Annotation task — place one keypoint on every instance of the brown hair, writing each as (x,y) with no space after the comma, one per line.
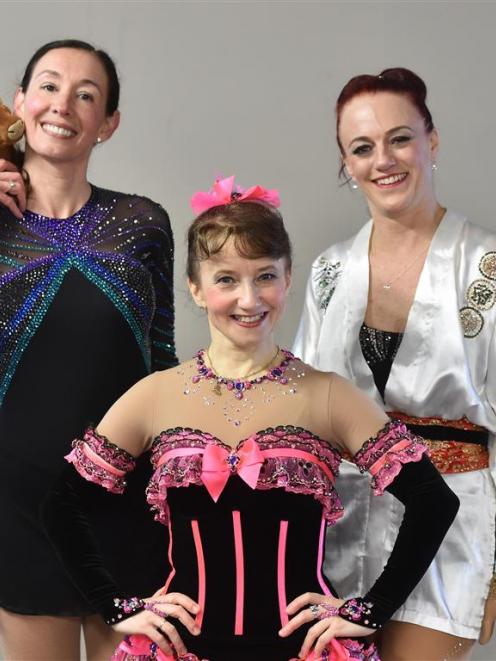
(103,57)
(105,60)
(398,81)
(257,230)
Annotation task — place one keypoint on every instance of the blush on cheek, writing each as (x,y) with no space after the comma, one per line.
(33,109)
(215,299)
(33,105)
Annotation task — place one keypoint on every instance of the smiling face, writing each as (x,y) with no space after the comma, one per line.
(244,298)
(388,152)
(64,104)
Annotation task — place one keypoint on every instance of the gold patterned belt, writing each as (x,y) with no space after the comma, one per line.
(455,446)
(456,456)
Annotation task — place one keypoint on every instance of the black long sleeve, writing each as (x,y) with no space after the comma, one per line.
(65,520)
(430,508)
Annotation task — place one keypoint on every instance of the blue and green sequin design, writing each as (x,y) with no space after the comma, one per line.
(121,243)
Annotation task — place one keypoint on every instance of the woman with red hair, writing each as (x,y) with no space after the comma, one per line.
(406,309)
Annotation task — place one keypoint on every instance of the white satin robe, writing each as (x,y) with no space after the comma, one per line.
(438,371)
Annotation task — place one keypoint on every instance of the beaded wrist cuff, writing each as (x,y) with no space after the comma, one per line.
(359,611)
(121,609)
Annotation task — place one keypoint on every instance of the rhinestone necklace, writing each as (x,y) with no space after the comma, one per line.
(238,386)
(246,377)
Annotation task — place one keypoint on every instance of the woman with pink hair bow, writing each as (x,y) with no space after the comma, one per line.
(246,443)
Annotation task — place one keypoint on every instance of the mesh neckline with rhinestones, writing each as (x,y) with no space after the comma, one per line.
(32,216)
(236,410)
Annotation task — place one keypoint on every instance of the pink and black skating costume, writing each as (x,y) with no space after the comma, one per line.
(247,504)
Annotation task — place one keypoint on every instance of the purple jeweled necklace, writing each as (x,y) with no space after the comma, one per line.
(238,386)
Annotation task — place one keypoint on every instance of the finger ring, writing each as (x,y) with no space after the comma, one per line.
(11,185)
(315,610)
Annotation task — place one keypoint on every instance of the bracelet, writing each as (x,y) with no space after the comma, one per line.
(151,606)
(323,610)
(123,608)
(359,611)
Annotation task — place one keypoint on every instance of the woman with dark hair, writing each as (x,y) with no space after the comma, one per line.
(86,310)
(406,310)
(246,443)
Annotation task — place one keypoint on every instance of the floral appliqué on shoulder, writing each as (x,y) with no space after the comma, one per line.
(326,277)
(480,296)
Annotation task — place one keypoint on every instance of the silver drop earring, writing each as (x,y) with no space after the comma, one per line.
(434,167)
(354,184)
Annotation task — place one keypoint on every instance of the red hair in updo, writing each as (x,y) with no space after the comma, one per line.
(398,81)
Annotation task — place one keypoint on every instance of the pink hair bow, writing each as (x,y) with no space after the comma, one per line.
(224,191)
(218,465)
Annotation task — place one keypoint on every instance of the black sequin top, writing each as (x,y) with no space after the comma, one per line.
(379,349)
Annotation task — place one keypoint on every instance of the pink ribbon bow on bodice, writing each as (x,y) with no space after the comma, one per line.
(219,464)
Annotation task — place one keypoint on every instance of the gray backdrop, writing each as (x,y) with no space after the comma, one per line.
(248,88)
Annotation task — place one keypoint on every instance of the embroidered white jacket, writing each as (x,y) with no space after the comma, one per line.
(446,363)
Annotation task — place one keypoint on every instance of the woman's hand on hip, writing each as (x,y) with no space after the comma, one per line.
(155,621)
(313,606)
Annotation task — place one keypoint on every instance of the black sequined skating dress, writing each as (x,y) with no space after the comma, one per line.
(86,309)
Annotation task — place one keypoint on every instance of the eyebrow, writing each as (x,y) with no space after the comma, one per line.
(222,270)
(393,130)
(56,74)
(228,271)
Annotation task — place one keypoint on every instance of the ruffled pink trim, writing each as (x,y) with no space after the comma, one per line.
(383,455)
(290,473)
(281,473)
(141,648)
(343,649)
(395,460)
(98,460)
(178,472)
